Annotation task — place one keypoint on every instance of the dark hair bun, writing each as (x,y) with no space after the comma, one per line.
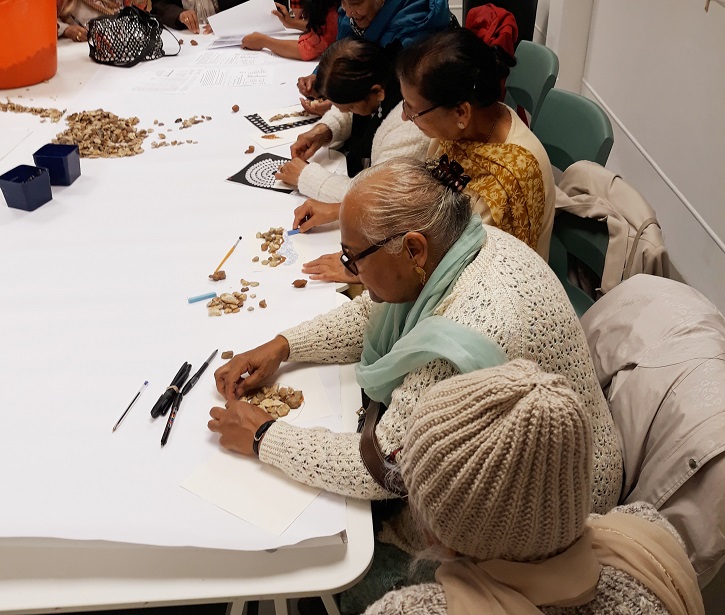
(448,172)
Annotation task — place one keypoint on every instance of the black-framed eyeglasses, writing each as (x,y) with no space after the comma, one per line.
(350,260)
(415,116)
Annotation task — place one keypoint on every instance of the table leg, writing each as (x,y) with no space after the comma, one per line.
(236,607)
(329,601)
(280,606)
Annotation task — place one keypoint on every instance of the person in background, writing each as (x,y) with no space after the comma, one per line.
(74,15)
(318,22)
(358,77)
(386,22)
(451,85)
(498,467)
(182,14)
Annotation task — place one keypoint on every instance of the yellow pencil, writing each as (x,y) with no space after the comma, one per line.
(224,260)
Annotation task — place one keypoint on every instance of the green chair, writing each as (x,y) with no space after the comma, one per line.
(573,128)
(558,261)
(531,79)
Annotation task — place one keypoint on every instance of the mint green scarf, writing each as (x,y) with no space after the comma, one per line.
(401,337)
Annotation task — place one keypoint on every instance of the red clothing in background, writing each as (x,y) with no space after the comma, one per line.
(311,46)
(494,25)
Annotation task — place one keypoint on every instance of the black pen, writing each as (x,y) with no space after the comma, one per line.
(172,415)
(167,397)
(177,400)
(195,378)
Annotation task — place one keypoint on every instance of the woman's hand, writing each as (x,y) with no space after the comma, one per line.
(314,213)
(236,425)
(254,41)
(290,171)
(190,20)
(306,86)
(328,268)
(260,363)
(287,20)
(76,33)
(309,142)
(316,107)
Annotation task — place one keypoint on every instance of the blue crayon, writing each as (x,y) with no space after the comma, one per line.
(201,297)
(294,231)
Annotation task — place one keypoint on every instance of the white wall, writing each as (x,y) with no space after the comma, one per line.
(542,18)
(658,68)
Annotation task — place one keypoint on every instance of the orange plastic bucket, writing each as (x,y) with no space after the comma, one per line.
(28,39)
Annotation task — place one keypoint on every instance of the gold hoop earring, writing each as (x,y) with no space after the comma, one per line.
(421,272)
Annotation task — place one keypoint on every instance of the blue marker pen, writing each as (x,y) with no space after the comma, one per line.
(201,297)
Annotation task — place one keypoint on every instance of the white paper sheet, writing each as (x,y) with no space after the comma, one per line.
(252,16)
(12,137)
(284,137)
(227,41)
(250,490)
(236,77)
(180,80)
(120,316)
(231,57)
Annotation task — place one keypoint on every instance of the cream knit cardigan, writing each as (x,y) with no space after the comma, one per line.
(508,293)
(394,137)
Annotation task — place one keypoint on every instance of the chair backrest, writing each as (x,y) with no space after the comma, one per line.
(559,263)
(523,10)
(572,128)
(533,76)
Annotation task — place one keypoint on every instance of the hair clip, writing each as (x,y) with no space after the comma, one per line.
(448,172)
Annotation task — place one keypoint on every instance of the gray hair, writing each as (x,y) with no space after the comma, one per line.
(402,196)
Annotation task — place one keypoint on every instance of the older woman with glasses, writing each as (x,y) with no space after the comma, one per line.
(444,293)
(451,85)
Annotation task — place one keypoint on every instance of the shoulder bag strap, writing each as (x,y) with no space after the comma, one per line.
(383,471)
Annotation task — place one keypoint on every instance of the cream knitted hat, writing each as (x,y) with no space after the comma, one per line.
(498,463)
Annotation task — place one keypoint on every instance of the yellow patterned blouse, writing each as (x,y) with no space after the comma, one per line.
(508,179)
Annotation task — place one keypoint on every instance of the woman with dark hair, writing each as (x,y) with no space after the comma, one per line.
(358,77)
(451,85)
(318,23)
(386,22)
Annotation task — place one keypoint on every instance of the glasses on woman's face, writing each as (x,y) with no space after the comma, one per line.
(350,260)
(415,116)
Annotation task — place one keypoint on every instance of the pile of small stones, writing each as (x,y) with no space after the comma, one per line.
(102,134)
(273,240)
(276,400)
(232,303)
(53,115)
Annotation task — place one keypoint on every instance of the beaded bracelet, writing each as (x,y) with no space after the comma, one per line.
(260,434)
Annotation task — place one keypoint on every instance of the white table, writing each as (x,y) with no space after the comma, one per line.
(93,289)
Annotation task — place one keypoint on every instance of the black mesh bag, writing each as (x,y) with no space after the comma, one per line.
(125,39)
